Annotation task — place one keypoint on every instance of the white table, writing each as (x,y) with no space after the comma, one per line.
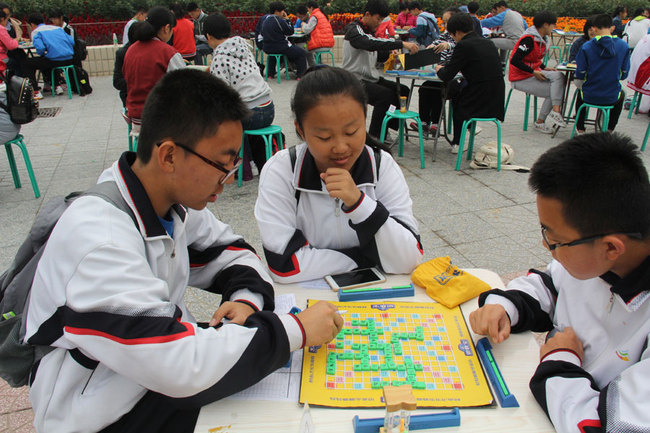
(517,358)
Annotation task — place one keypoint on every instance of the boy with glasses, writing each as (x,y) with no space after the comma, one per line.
(108,292)
(593,201)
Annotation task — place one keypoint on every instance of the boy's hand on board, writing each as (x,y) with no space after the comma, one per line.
(321,323)
(491,320)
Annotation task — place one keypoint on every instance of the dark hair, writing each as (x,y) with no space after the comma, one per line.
(473,7)
(415,5)
(374,7)
(3,15)
(619,9)
(178,10)
(200,101)
(4,6)
(500,4)
(544,17)
(637,12)
(133,29)
(602,21)
(302,10)
(217,26)
(312,4)
(452,10)
(55,13)
(35,18)
(192,6)
(403,6)
(276,7)
(601,182)
(460,22)
(157,18)
(139,8)
(321,81)
(585,30)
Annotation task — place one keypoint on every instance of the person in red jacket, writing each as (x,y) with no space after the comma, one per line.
(183,33)
(529,74)
(319,29)
(148,59)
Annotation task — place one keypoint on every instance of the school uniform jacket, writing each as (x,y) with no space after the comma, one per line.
(312,236)
(109,296)
(609,390)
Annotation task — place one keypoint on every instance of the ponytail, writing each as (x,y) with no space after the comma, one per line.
(157,18)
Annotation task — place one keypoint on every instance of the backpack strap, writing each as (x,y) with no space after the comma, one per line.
(293,157)
(110,193)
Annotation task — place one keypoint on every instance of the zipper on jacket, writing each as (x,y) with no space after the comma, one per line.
(337,207)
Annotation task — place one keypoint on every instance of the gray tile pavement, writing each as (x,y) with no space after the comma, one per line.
(479,218)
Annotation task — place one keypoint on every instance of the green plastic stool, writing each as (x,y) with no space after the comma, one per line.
(66,74)
(553,48)
(573,102)
(18,141)
(402,117)
(634,106)
(604,108)
(470,147)
(318,54)
(260,52)
(267,134)
(566,51)
(278,67)
(645,139)
(526,111)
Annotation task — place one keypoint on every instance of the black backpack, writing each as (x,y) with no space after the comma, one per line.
(21,105)
(82,87)
(80,51)
(16,357)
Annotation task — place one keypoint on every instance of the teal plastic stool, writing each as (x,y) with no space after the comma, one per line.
(526,111)
(566,51)
(278,67)
(573,102)
(551,49)
(403,117)
(260,52)
(605,110)
(66,74)
(18,141)
(267,134)
(645,139)
(318,54)
(470,147)
(634,106)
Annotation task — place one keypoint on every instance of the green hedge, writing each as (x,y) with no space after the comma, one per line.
(123,9)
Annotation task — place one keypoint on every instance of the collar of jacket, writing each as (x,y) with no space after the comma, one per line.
(150,224)
(363,171)
(363,26)
(636,282)
(532,30)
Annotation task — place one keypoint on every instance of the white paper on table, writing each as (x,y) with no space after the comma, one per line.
(318,283)
(284,383)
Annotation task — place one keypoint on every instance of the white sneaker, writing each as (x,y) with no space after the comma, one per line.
(557,119)
(58,90)
(454,149)
(543,128)
(38,95)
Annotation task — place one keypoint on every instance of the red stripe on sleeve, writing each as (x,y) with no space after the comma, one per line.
(189,331)
(589,423)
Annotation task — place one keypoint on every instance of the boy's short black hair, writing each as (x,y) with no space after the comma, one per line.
(217,26)
(601,182)
(544,17)
(415,5)
(602,21)
(187,105)
(312,4)
(619,9)
(56,13)
(473,7)
(5,6)
(374,7)
(638,12)
(302,10)
(35,18)
(500,4)
(276,7)
(192,6)
(462,22)
(178,10)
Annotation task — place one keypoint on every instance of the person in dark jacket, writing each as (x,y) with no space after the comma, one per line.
(483,94)
(275,29)
(578,43)
(119,82)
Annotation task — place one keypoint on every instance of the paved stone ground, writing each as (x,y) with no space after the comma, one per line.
(479,218)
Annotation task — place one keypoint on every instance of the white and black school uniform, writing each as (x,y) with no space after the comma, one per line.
(610,389)
(307,234)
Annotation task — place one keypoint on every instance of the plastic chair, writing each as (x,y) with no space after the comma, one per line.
(526,111)
(278,67)
(645,139)
(470,146)
(636,99)
(402,117)
(66,74)
(260,52)
(318,54)
(566,51)
(18,141)
(267,134)
(551,49)
(604,108)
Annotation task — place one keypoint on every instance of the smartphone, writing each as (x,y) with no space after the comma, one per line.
(356,278)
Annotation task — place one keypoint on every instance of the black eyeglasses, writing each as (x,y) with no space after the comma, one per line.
(228,173)
(588,239)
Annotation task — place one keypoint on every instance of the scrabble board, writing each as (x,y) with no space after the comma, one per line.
(392,343)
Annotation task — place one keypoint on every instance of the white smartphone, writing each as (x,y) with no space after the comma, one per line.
(356,278)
